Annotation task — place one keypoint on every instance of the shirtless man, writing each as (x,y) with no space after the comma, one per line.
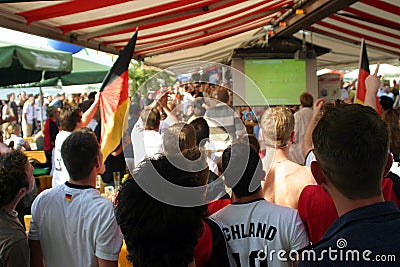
(286,179)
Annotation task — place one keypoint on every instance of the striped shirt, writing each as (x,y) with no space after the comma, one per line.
(225,126)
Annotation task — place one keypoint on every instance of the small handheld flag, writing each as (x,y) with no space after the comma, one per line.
(363,73)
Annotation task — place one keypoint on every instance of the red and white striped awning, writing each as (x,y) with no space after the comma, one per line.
(377,21)
(165,26)
(172,32)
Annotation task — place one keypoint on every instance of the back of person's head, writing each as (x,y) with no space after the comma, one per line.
(386,102)
(392,118)
(151,118)
(252,140)
(178,137)
(61,95)
(198,110)
(158,234)
(50,110)
(202,129)
(79,153)
(85,105)
(92,95)
(70,117)
(351,146)
(277,124)
(13,175)
(242,169)
(306,99)
(223,95)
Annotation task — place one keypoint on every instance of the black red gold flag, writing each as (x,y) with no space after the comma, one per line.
(114,100)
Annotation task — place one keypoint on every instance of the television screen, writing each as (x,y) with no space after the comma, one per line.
(281,81)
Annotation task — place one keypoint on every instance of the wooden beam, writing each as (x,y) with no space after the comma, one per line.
(315,11)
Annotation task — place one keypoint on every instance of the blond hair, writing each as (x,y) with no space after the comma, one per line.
(277,124)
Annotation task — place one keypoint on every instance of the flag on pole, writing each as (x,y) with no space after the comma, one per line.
(363,73)
(114,100)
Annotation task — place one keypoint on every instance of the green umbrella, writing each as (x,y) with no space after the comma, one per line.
(24,64)
(83,72)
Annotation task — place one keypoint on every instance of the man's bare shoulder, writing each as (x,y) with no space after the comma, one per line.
(296,173)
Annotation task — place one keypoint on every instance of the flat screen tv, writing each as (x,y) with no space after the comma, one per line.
(281,81)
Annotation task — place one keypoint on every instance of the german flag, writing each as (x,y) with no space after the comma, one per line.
(114,100)
(68,197)
(363,73)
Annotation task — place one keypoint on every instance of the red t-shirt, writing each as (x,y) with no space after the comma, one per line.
(50,133)
(318,211)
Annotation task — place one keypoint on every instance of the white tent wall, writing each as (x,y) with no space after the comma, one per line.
(388,72)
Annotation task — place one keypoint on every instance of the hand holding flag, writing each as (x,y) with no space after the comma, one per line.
(363,73)
(372,84)
(368,85)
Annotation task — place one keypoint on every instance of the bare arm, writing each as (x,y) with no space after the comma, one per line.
(27,146)
(170,115)
(307,139)
(106,263)
(372,83)
(36,253)
(89,114)
(163,104)
(396,102)
(117,151)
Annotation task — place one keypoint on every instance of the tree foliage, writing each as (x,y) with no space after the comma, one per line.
(148,80)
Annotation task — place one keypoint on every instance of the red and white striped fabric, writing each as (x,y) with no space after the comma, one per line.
(172,31)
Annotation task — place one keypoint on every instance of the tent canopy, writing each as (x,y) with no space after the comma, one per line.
(23,64)
(83,72)
(172,31)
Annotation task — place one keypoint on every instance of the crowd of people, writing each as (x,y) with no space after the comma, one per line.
(209,184)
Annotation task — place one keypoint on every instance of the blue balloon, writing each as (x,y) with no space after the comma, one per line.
(66,47)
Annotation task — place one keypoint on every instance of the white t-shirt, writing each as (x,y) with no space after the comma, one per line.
(75,226)
(310,157)
(187,100)
(5,112)
(344,94)
(18,141)
(395,168)
(259,226)
(30,113)
(145,143)
(39,114)
(301,120)
(92,124)
(212,166)
(59,171)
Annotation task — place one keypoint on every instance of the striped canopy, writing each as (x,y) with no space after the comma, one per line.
(172,32)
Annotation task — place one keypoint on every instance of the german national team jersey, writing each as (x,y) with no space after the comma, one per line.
(259,233)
